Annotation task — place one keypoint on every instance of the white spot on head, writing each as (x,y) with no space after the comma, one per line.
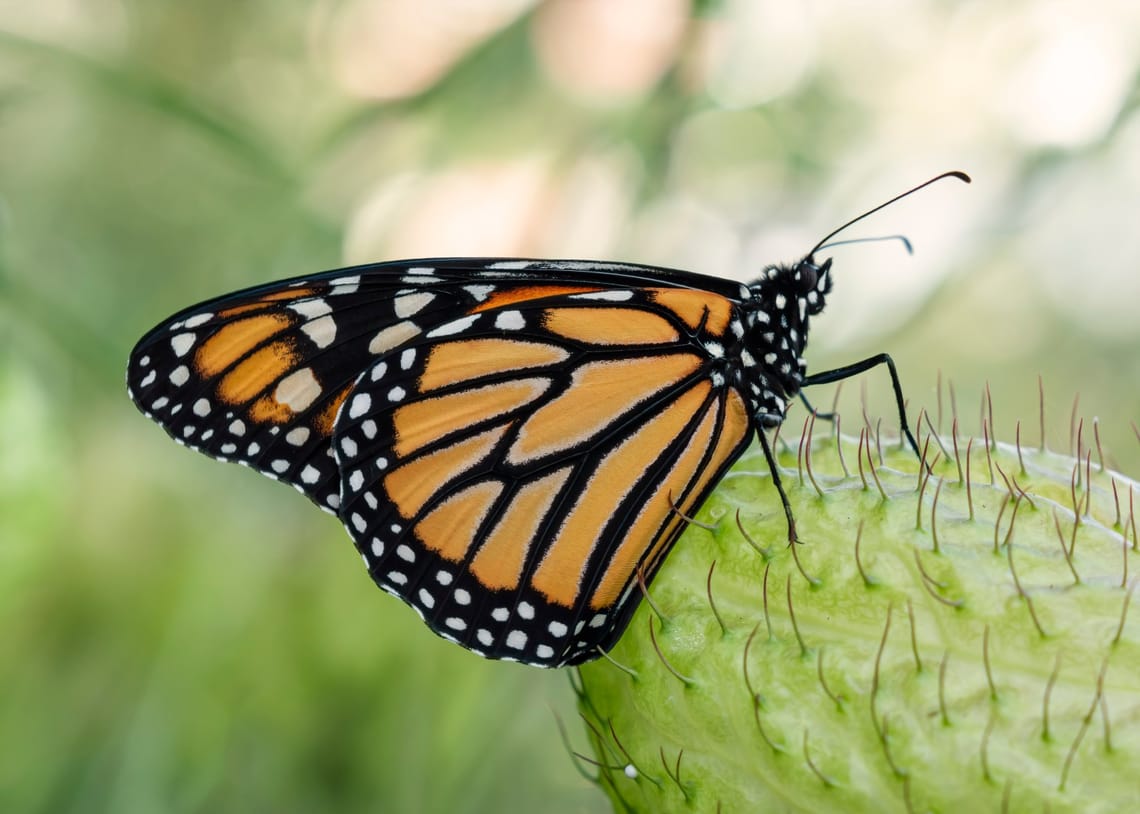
(180,375)
(516,640)
(453,327)
(393,336)
(182,343)
(322,331)
(510,321)
(297,436)
(812,297)
(298,390)
(310,474)
(781,302)
(361,403)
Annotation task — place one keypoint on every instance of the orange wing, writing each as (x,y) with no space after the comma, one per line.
(509,473)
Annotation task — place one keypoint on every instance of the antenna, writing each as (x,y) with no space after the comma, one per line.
(961,176)
(881,239)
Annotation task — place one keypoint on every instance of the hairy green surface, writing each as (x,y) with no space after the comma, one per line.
(936,646)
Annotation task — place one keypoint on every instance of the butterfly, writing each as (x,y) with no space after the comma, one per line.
(513,445)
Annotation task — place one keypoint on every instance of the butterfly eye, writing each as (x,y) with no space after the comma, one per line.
(807,275)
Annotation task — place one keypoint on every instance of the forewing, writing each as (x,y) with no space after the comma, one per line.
(510,473)
(257,377)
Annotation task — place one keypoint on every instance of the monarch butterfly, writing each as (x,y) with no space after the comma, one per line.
(511,444)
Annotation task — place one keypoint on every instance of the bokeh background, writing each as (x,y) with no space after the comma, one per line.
(177,635)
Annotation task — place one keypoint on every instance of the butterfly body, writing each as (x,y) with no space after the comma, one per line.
(511,444)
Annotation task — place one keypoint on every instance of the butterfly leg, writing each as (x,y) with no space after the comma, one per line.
(792,538)
(811,409)
(847,371)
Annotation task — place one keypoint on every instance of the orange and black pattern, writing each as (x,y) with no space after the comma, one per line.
(511,444)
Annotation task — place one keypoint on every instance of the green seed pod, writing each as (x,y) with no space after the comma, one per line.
(935,642)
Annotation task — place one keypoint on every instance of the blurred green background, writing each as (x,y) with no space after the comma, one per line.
(177,635)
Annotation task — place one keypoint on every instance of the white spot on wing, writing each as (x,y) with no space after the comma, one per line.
(361,403)
(321,330)
(180,375)
(453,327)
(298,390)
(181,343)
(345,285)
(411,304)
(605,296)
(311,309)
(297,436)
(198,319)
(510,321)
(393,336)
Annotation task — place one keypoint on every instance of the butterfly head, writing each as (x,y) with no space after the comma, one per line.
(784,298)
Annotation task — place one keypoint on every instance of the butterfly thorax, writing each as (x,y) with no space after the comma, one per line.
(783,299)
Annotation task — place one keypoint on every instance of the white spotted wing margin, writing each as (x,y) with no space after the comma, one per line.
(509,474)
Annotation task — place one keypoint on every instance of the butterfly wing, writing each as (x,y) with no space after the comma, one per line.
(257,377)
(511,472)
